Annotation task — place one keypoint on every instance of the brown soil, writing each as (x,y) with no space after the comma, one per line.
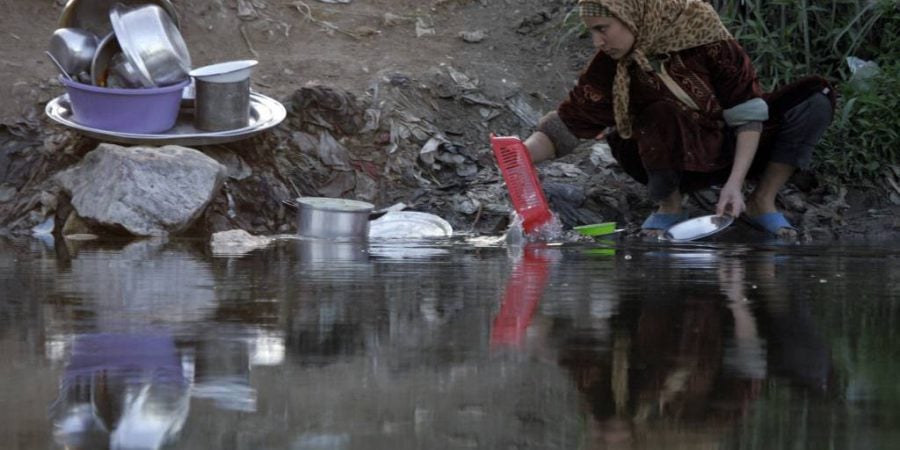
(343,45)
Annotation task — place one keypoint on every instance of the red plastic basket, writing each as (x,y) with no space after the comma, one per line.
(521,181)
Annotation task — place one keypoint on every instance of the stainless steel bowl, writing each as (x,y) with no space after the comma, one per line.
(152,43)
(333,218)
(93,15)
(73,48)
(111,68)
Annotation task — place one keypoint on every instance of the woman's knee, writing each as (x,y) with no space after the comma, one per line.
(814,112)
(820,109)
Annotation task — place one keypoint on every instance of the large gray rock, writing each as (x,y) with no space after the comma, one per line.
(145,190)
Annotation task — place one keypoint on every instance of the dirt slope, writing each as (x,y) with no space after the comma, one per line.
(344,45)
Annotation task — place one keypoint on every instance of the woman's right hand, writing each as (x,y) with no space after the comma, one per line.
(731,201)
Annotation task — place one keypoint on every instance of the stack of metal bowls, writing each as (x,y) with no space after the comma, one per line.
(126,63)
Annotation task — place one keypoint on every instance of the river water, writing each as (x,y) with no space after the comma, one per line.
(450,344)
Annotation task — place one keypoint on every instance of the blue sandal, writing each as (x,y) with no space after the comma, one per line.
(771,222)
(662,221)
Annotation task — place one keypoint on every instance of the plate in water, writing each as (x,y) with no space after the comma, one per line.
(409,225)
(697,228)
(265,113)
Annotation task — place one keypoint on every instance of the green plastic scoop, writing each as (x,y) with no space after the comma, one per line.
(597,229)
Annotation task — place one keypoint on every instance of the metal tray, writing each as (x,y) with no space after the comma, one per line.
(697,228)
(265,113)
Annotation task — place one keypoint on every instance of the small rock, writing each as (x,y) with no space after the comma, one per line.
(237,241)
(472,37)
(391,19)
(7,193)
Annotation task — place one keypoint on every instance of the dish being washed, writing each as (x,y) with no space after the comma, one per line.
(697,228)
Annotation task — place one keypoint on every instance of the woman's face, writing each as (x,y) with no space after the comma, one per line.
(610,36)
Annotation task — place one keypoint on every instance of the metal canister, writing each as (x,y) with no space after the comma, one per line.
(222,95)
(221,106)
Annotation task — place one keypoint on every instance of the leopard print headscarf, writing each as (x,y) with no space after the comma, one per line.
(659,27)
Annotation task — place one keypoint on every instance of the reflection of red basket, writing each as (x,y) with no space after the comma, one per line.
(521,181)
(520,299)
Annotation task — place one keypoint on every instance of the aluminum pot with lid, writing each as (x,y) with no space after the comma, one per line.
(333,218)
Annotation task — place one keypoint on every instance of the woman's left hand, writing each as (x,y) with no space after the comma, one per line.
(731,201)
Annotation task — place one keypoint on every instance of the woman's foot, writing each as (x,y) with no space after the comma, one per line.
(766,216)
(657,223)
(669,213)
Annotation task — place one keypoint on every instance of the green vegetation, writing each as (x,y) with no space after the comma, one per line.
(792,38)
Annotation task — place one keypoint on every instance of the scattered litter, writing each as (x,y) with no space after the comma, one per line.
(44,228)
(519,105)
(391,19)
(862,72)
(306,11)
(601,155)
(462,80)
(424,29)
(428,153)
(246,10)
(331,152)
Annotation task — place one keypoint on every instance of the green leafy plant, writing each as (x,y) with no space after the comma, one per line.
(864,137)
(791,38)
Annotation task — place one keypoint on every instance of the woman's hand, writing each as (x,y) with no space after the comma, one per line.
(731,200)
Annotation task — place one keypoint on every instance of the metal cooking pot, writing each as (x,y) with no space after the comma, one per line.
(333,218)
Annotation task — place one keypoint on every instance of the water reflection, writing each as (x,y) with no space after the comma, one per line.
(523,292)
(686,359)
(316,345)
(121,391)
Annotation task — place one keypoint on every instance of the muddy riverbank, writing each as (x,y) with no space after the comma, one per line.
(374,120)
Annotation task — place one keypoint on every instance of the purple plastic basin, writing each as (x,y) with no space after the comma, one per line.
(140,111)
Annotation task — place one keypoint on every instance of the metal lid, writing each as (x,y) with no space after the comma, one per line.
(335,204)
(225,72)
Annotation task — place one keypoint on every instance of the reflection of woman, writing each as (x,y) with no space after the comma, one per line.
(686,361)
(686,110)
